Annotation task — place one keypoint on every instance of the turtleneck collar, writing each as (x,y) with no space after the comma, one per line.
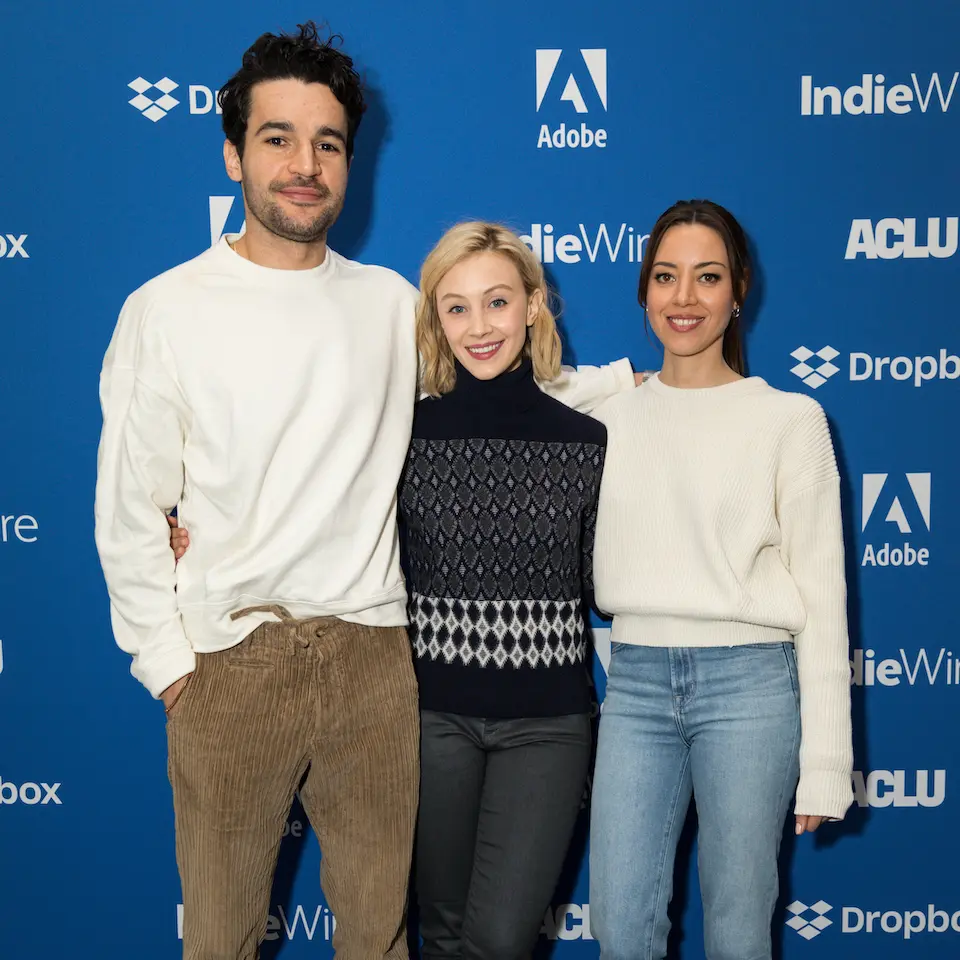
(513,390)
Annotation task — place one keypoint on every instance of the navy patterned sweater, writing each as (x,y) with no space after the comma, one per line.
(498,508)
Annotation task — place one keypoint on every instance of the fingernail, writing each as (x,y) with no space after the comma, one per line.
(798,829)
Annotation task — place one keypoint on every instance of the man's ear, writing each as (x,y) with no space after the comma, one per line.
(231,160)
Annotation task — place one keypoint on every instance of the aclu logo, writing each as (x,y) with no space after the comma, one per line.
(283,923)
(12,246)
(872,96)
(900,788)
(589,244)
(816,367)
(568,921)
(29,793)
(580,80)
(201,99)
(936,667)
(810,922)
(915,493)
(890,239)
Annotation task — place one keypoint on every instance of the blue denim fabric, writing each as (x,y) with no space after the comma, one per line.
(721,724)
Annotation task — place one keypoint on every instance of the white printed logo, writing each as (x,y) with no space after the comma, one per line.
(29,793)
(871,96)
(595,74)
(873,484)
(862,366)
(569,921)
(12,245)
(621,242)
(287,925)
(153,109)
(816,376)
(596,64)
(888,788)
(811,921)
(220,208)
(874,241)
(936,667)
(20,528)
(918,491)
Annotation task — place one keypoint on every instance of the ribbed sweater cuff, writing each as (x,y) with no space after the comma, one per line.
(824,793)
(666,631)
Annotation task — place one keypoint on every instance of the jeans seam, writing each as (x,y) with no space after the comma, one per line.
(663,853)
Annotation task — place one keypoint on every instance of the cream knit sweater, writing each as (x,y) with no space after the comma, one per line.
(719,524)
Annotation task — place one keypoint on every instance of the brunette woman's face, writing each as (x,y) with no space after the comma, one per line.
(485,312)
(690,294)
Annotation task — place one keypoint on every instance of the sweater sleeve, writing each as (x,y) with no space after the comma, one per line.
(812,548)
(585,388)
(139,481)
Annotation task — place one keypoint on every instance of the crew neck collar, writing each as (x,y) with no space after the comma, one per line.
(256,271)
(735,389)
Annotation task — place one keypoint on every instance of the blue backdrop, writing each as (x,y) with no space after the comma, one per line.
(829,128)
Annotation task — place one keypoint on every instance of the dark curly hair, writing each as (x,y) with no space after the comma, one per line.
(724,223)
(301,56)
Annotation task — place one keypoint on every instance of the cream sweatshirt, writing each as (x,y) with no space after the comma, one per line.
(273,408)
(719,524)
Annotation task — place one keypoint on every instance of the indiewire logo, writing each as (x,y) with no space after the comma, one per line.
(591,67)
(29,793)
(816,367)
(810,922)
(289,925)
(19,528)
(201,99)
(888,788)
(890,239)
(12,245)
(607,244)
(872,96)
(916,493)
(940,667)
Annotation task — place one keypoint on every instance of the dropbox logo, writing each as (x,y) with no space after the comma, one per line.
(564,77)
(817,373)
(809,922)
(153,109)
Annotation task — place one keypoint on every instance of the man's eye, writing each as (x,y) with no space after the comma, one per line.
(275,141)
(329,147)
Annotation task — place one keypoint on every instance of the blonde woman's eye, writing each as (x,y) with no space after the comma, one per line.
(456,309)
(498,302)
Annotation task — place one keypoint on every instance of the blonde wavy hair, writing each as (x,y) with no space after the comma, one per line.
(437,372)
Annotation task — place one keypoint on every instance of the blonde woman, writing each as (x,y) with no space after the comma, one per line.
(498,505)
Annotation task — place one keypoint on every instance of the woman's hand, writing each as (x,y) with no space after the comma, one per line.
(805,822)
(179,538)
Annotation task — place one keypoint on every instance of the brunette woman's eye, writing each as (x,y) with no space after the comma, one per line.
(662,277)
(711,277)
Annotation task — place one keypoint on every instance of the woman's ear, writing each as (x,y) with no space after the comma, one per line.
(534,305)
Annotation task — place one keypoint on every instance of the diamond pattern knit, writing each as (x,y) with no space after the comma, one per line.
(498,503)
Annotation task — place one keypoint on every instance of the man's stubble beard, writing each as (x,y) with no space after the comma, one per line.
(268,213)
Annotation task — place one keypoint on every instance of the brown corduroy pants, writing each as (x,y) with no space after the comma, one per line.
(333,699)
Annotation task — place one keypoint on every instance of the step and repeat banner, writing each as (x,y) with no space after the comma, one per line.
(830,129)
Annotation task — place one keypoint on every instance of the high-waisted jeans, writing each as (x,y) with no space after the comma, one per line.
(721,724)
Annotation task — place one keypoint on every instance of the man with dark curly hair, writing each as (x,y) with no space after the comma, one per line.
(266,390)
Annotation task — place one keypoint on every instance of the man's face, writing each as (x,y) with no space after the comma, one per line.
(294,166)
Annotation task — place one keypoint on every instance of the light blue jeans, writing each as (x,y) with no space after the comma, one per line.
(721,724)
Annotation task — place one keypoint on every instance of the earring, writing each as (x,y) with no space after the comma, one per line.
(736,312)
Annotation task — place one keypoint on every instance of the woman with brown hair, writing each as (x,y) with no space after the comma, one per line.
(729,677)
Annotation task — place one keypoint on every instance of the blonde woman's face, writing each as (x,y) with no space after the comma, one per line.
(485,312)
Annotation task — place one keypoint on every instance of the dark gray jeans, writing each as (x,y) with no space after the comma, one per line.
(498,802)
